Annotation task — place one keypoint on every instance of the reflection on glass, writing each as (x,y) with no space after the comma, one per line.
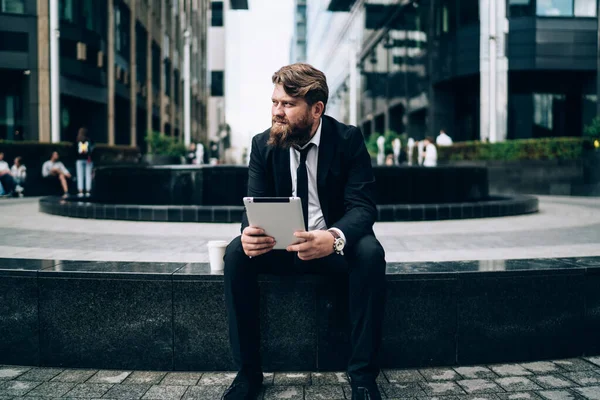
(492,265)
(555,8)
(65,10)
(546,108)
(13,6)
(585,8)
(588,108)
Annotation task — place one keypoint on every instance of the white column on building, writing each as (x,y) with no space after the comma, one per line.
(54,73)
(354,80)
(186,88)
(493,71)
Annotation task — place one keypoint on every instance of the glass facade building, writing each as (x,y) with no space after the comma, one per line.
(121,68)
(421,63)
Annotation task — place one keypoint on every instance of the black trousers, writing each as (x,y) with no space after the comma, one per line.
(365,265)
(8,183)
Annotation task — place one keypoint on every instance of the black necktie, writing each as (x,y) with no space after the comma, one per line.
(302,183)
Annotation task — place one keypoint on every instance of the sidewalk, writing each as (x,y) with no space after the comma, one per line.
(553,380)
(565,227)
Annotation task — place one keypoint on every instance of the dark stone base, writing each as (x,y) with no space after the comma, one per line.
(171,316)
(87,208)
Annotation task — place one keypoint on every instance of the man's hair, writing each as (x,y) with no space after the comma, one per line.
(303,80)
(430,139)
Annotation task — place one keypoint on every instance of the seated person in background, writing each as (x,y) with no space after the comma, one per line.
(389,160)
(6,178)
(430,153)
(19,173)
(443,139)
(54,169)
(190,157)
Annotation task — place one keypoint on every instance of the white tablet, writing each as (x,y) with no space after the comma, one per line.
(279,217)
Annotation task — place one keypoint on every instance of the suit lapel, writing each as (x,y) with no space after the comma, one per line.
(326,153)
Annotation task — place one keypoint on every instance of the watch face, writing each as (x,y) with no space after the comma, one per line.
(339,244)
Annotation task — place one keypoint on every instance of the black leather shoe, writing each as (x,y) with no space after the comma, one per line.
(365,392)
(244,387)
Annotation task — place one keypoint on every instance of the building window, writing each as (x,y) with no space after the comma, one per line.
(217,84)
(88,14)
(445,17)
(549,113)
(468,13)
(217,13)
(555,8)
(14,41)
(122,30)
(12,6)
(566,8)
(65,11)
(520,8)
(585,8)
(588,109)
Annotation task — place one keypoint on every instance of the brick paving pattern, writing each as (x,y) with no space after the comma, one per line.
(577,378)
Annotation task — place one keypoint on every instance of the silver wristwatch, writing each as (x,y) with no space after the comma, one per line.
(338,243)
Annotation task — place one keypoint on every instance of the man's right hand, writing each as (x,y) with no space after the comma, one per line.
(255,242)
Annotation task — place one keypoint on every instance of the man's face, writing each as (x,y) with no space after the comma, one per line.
(54,157)
(292,119)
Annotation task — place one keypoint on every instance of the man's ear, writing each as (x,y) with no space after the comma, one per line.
(318,109)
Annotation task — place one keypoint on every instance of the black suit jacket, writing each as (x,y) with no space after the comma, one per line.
(345,180)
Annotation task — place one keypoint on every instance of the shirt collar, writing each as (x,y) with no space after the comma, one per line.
(316,139)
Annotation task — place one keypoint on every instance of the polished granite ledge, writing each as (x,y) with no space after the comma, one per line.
(201,271)
(171,316)
(80,208)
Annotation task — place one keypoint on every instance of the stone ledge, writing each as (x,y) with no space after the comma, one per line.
(171,316)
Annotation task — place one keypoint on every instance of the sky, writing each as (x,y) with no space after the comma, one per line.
(258,44)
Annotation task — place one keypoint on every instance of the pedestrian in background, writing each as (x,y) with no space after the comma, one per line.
(84,163)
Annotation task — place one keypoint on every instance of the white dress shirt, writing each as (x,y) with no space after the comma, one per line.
(316,221)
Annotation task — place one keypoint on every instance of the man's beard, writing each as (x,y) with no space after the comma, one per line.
(287,135)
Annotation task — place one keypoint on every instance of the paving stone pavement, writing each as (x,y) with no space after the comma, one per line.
(575,379)
(564,227)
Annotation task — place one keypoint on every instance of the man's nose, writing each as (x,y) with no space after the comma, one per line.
(278,110)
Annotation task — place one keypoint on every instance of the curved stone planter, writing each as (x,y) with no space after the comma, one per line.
(79,208)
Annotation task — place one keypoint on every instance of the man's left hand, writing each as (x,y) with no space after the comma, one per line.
(318,244)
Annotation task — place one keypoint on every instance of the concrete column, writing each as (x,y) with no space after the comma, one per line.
(598,61)
(54,73)
(133,73)
(110,52)
(149,91)
(354,83)
(161,95)
(43,71)
(493,71)
(171,72)
(187,127)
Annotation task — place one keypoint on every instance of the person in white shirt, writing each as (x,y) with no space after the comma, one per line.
(19,173)
(430,153)
(6,178)
(443,139)
(54,169)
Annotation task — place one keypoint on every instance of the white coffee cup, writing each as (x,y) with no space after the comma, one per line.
(216,251)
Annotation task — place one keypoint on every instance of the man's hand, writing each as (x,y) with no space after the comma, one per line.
(255,242)
(318,244)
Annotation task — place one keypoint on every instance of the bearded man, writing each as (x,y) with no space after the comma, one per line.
(324,162)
